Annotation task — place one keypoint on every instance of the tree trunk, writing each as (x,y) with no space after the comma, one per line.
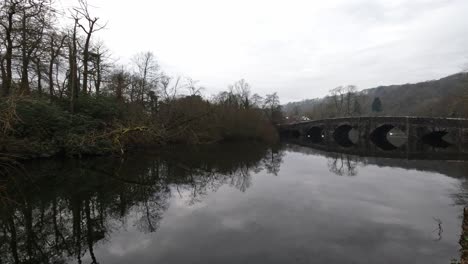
(51,69)
(24,86)
(51,78)
(6,84)
(86,58)
(85,69)
(39,77)
(73,71)
(98,75)
(54,53)
(4,74)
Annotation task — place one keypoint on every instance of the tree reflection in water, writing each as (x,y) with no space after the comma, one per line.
(343,164)
(61,209)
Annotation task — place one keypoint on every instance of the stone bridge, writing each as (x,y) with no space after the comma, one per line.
(413,134)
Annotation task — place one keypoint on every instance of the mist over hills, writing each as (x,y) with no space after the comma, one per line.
(446,97)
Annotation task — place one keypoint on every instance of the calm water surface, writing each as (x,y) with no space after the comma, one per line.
(239,203)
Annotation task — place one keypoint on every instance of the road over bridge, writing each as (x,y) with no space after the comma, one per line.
(416,134)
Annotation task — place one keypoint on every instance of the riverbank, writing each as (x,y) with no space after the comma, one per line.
(34,127)
(464,238)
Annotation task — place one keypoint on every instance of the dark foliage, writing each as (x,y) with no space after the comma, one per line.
(377,105)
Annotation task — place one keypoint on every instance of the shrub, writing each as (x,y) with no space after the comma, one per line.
(105,108)
(39,119)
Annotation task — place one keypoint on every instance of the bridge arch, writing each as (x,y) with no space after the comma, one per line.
(341,135)
(315,134)
(379,137)
(436,139)
(294,133)
(410,134)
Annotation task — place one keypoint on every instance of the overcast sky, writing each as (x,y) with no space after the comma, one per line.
(298,48)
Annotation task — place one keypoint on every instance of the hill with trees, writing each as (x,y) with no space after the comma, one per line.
(446,97)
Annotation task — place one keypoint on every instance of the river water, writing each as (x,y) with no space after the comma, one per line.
(234,203)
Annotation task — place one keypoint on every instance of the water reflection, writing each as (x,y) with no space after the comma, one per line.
(234,203)
(61,209)
(343,164)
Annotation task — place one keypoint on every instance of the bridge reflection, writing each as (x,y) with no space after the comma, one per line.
(372,150)
(346,161)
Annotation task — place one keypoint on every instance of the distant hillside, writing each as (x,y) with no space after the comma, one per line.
(445,97)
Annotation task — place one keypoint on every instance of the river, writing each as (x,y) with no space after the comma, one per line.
(234,203)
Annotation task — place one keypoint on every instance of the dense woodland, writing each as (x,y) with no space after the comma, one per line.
(446,97)
(62,92)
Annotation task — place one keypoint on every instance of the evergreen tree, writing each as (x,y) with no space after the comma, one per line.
(377,105)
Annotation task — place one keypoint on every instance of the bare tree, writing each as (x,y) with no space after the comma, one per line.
(193,88)
(147,71)
(342,97)
(56,43)
(34,18)
(272,106)
(40,68)
(100,61)
(257,100)
(350,97)
(241,90)
(169,87)
(73,71)
(337,94)
(3,73)
(8,11)
(89,29)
